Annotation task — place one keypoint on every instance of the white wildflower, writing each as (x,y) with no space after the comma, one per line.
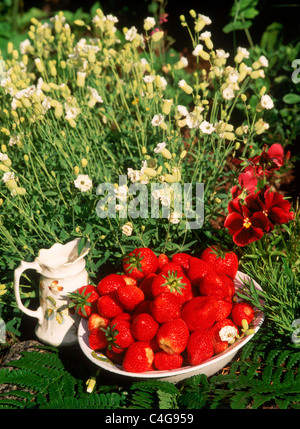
(9,175)
(148,79)
(157,120)
(228,93)
(228,333)
(182,110)
(175,217)
(266,102)
(133,175)
(131,33)
(83,182)
(94,94)
(160,147)
(24,46)
(149,23)
(127,229)
(206,127)
(192,121)
(197,50)
(71,111)
(3,157)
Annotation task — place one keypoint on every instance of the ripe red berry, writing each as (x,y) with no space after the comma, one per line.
(84,300)
(240,311)
(200,312)
(200,347)
(223,261)
(144,327)
(96,321)
(166,362)
(109,306)
(130,296)
(165,307)
(197,270)
(140,262)
(172,336)
(110,283)
(97,339)
(182,259)
(214,284)
(119,336)
(138,357)
(174,282)
(162,260)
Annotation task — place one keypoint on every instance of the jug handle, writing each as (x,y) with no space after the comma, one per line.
(17,275)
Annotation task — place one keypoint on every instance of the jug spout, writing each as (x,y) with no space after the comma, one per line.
(63,260)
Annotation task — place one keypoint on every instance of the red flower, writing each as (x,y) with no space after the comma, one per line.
(247,181)
(273,205)
(266,162)
(245,226)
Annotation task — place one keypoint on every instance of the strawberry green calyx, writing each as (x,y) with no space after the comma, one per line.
(173,282)
(111,334)
(134,262)
(79,301)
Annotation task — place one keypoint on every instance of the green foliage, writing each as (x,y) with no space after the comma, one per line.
(264,374)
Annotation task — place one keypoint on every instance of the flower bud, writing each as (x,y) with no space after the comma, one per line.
(76,170)
(157,36)
(166,108)
(185,87)
(80,79)
(84,162)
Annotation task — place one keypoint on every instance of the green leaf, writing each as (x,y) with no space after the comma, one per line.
(291,98)
(250,13)
(237,25)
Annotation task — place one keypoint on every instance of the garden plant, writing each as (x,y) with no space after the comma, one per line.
(93,116)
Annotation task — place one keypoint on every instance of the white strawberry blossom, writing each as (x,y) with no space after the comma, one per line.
(228,333)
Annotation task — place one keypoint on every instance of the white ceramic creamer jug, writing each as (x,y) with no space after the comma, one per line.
(61,271)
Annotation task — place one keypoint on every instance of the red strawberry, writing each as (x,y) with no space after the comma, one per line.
(142,307)
(138,357)
(144,327)
(200,347)
(223,262)
(119,336)
(146,284)
(224,309)
(162,260)
(172,267)
(130,296)
(115,357)
(96,321)
(84,300)
(140,262)
(165,362)
(122,316)
(241,311)
(110,283)
(97,339)
(129,280)
(214,284)
(109,306)
(200,312)
(182,259)
(197,270)
(165,307)
(176,283)
(172,336)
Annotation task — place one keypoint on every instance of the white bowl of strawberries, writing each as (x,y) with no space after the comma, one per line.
(167,319)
